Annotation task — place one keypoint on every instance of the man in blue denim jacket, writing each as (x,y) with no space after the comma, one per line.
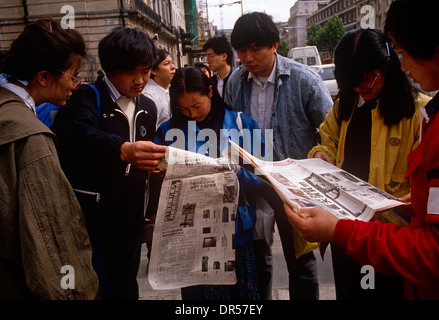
(292,100)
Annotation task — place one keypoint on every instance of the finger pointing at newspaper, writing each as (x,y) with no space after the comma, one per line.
(313,224)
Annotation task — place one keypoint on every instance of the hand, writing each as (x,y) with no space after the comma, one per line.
(145,155)
(324,156)
(313,224)
(407,198)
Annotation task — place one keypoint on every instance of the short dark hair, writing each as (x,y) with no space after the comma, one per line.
(43,45)
(255,27)
(413,25)
(220,45)
(202,65)
(126,48)
(161,55)
(365,50)
(3,55)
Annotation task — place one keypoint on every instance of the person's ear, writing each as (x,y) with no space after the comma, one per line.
(210,91)
(275,46)
(44,77)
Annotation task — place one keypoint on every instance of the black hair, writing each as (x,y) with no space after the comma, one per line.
(413,25)
(363,51)
(255,27)
(202,65)
(3,55)
(161,55)
(193,79)
(220,45)
(43,45)
(125,49)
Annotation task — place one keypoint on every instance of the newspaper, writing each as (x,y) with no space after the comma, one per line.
(317,183)
(193,240)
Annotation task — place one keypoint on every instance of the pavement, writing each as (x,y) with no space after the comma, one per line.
(280,277)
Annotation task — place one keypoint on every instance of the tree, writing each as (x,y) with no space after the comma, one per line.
(334,30)
(312,35)
(283,48)
(326,38)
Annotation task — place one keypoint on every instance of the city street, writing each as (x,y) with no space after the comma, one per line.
(280,281)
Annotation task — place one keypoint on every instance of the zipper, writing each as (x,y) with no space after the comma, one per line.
(90,193)
(132,132)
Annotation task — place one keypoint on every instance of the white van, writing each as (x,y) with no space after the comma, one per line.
(305,55)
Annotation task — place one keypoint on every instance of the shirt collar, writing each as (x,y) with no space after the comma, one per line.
(151,82)
(271,78)
(114,93)
(22,93)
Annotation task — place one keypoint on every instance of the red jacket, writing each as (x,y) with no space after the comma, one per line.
(411,252)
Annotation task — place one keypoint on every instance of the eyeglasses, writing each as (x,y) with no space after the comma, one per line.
(374,80)
(371,86)
(210,56)
(76,80)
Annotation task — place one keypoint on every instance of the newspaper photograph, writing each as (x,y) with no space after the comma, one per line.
(317,183)
(193,240)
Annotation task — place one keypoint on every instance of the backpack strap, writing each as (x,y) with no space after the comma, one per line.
(98,96)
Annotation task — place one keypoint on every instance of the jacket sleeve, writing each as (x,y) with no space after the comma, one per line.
(54,239)
(77,126)
(318,100)
(412,253)
(329,132)
(160,134)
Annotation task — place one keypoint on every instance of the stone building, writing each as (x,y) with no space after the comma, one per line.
(162,20)
(297,23)
(354,13)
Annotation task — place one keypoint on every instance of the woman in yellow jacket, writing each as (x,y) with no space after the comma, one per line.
(369,132)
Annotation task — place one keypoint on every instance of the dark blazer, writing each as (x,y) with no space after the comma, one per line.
(111,192)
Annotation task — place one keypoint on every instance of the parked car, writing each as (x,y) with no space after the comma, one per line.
(305,55)
(326,71)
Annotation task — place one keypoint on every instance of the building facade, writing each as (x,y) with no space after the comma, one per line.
(162,20)
(354,13)
(297,23)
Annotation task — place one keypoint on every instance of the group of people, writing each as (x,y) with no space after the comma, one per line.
(76,194)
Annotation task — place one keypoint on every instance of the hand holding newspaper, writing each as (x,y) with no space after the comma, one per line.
(193,240)
(317,183)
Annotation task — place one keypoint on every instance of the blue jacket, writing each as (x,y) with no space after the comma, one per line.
(301,102)
(249,184)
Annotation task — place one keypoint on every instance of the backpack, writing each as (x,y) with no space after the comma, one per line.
(46,112)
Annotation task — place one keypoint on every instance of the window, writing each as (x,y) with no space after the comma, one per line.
(311,61)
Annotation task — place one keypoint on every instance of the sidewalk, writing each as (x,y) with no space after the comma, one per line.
(280,277)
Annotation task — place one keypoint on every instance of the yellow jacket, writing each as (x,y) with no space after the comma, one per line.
(390,146)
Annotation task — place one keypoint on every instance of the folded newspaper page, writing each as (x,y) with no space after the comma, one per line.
(317,183)
(193,240)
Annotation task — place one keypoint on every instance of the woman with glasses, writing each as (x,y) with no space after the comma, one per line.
(43,234)
(46,111)
(369,132)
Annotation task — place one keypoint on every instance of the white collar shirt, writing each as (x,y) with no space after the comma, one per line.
(161,98)
(22,93)
(220,84)
(262,98)
(127,105)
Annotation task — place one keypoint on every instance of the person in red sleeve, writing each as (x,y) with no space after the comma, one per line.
(411,251)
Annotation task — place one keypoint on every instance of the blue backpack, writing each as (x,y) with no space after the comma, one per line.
(46,112)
